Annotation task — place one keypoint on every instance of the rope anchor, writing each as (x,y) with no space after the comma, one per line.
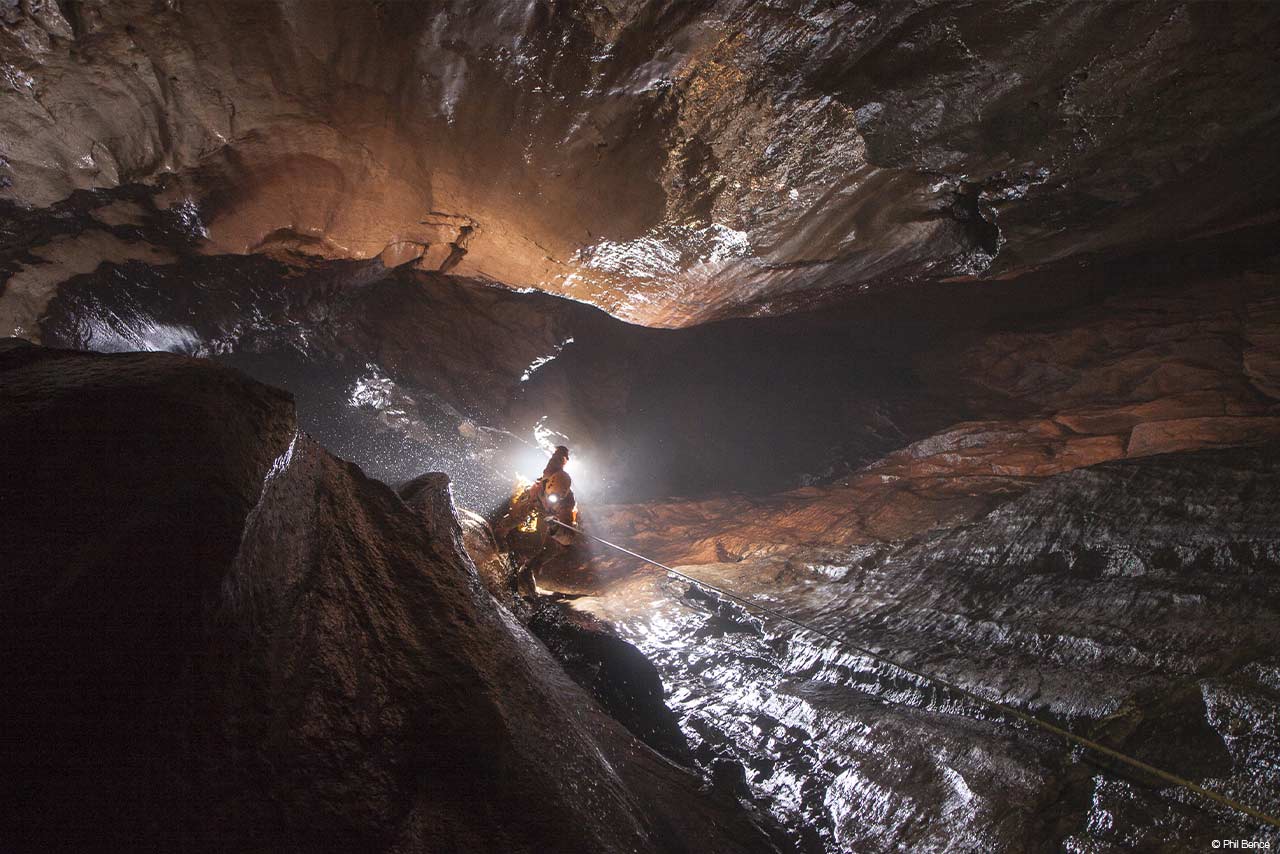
(1024,717)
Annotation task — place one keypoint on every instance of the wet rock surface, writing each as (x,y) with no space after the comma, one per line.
(403,371)
(1140,373)
(218,636)
(1134,602)
(920,425)
(41,249)
(406,371)
(978,366)
(616,673)
(668,163)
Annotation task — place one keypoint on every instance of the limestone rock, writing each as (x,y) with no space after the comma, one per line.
(669,164)
(218,636)
(1134,602)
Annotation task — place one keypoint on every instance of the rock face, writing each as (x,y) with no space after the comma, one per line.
(979,416)
(666,162)
(1025,472)
(404,371)
(1135,602)
(615,673)
(220,637)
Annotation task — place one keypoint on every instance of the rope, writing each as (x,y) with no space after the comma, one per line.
(1032,720)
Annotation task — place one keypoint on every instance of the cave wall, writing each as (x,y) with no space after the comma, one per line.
(1133,602)
(329,195)
(220,637)
(670,163)
(405,370)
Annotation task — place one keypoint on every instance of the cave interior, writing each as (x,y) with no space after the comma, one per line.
(944,330)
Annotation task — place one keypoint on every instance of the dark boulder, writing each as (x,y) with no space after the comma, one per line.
(219,637)
(617,674)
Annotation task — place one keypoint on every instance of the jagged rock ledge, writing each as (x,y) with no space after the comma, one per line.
(220,637)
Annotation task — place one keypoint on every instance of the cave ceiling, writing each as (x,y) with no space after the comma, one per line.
(671,163)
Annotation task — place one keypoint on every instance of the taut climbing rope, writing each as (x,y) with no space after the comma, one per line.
(1068,735)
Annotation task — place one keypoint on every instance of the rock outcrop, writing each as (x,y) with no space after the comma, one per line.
(1135,602)
(982,415)
(219,637)
(613,671)
(618,675)
(669,163)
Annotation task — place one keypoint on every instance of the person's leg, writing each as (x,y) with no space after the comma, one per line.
(540,552)
(525,585)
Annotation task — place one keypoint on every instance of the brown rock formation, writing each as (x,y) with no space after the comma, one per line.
(1132,601)
(1139,374)
(219,637)
(668,163)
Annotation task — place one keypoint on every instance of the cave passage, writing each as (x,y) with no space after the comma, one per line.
(837,466)
(919,363)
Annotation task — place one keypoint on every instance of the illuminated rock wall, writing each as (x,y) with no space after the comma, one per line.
(670,164)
